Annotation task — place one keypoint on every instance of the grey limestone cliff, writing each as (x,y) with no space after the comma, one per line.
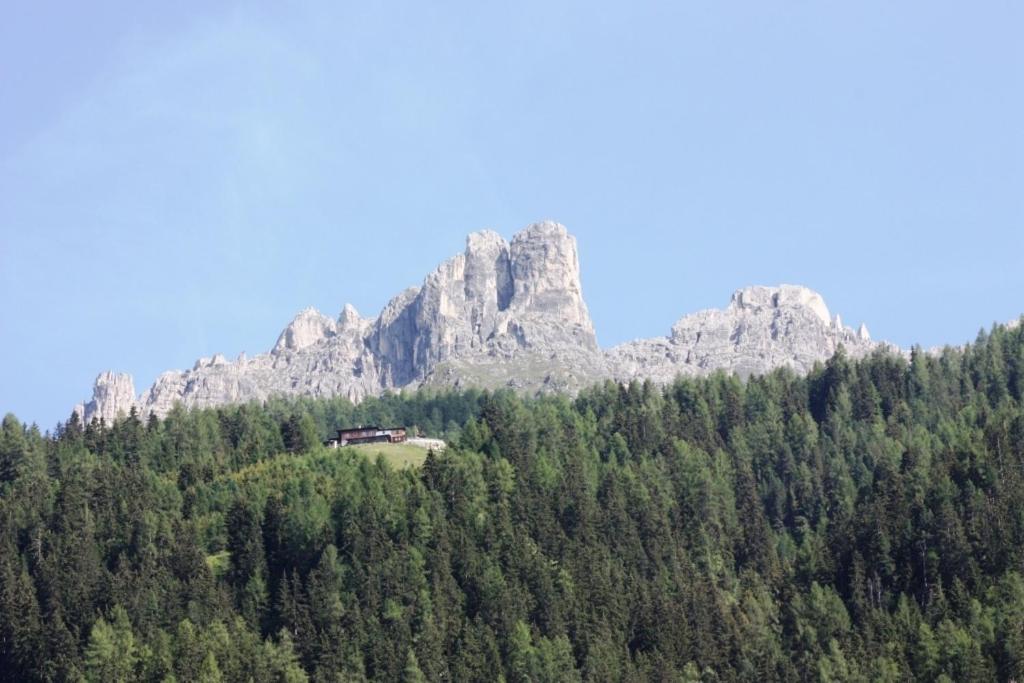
(113,394)
(762,328)
(500,314)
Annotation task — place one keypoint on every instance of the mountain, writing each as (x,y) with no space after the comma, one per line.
(762,328)
(501,314)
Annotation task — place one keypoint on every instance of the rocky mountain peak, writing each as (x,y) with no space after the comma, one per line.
(496,299)
(485,241)
(546,281)
(309,327)
(782,296)
(543,230)
(762,328)
(113,395)
(486,276)
(349,320)
(499,314)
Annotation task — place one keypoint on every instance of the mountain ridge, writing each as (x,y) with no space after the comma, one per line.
(499,314)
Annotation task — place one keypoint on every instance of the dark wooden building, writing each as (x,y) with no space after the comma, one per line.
(354,435)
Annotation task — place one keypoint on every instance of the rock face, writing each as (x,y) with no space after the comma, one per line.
(308,328)
(761,329)
(501,314)
(496,302)
(113,394)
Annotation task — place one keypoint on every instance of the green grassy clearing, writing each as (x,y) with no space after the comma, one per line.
(218,562)
(398,455)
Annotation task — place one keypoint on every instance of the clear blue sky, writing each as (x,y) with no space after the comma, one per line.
(177,181)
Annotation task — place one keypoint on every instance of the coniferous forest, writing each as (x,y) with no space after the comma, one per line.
(863,523)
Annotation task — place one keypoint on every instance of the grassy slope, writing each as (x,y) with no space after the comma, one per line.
(398,455)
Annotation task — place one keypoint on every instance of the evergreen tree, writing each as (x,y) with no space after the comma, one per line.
(110,654)
(248,563)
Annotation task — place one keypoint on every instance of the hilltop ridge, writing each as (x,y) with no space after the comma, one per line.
(500,314)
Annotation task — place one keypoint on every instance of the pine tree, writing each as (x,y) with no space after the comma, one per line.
(247,573)
(13,447)
(21,632)
(110,654)
(412,672)
(210,672)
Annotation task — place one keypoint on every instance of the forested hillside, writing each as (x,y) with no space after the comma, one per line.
(863,523)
